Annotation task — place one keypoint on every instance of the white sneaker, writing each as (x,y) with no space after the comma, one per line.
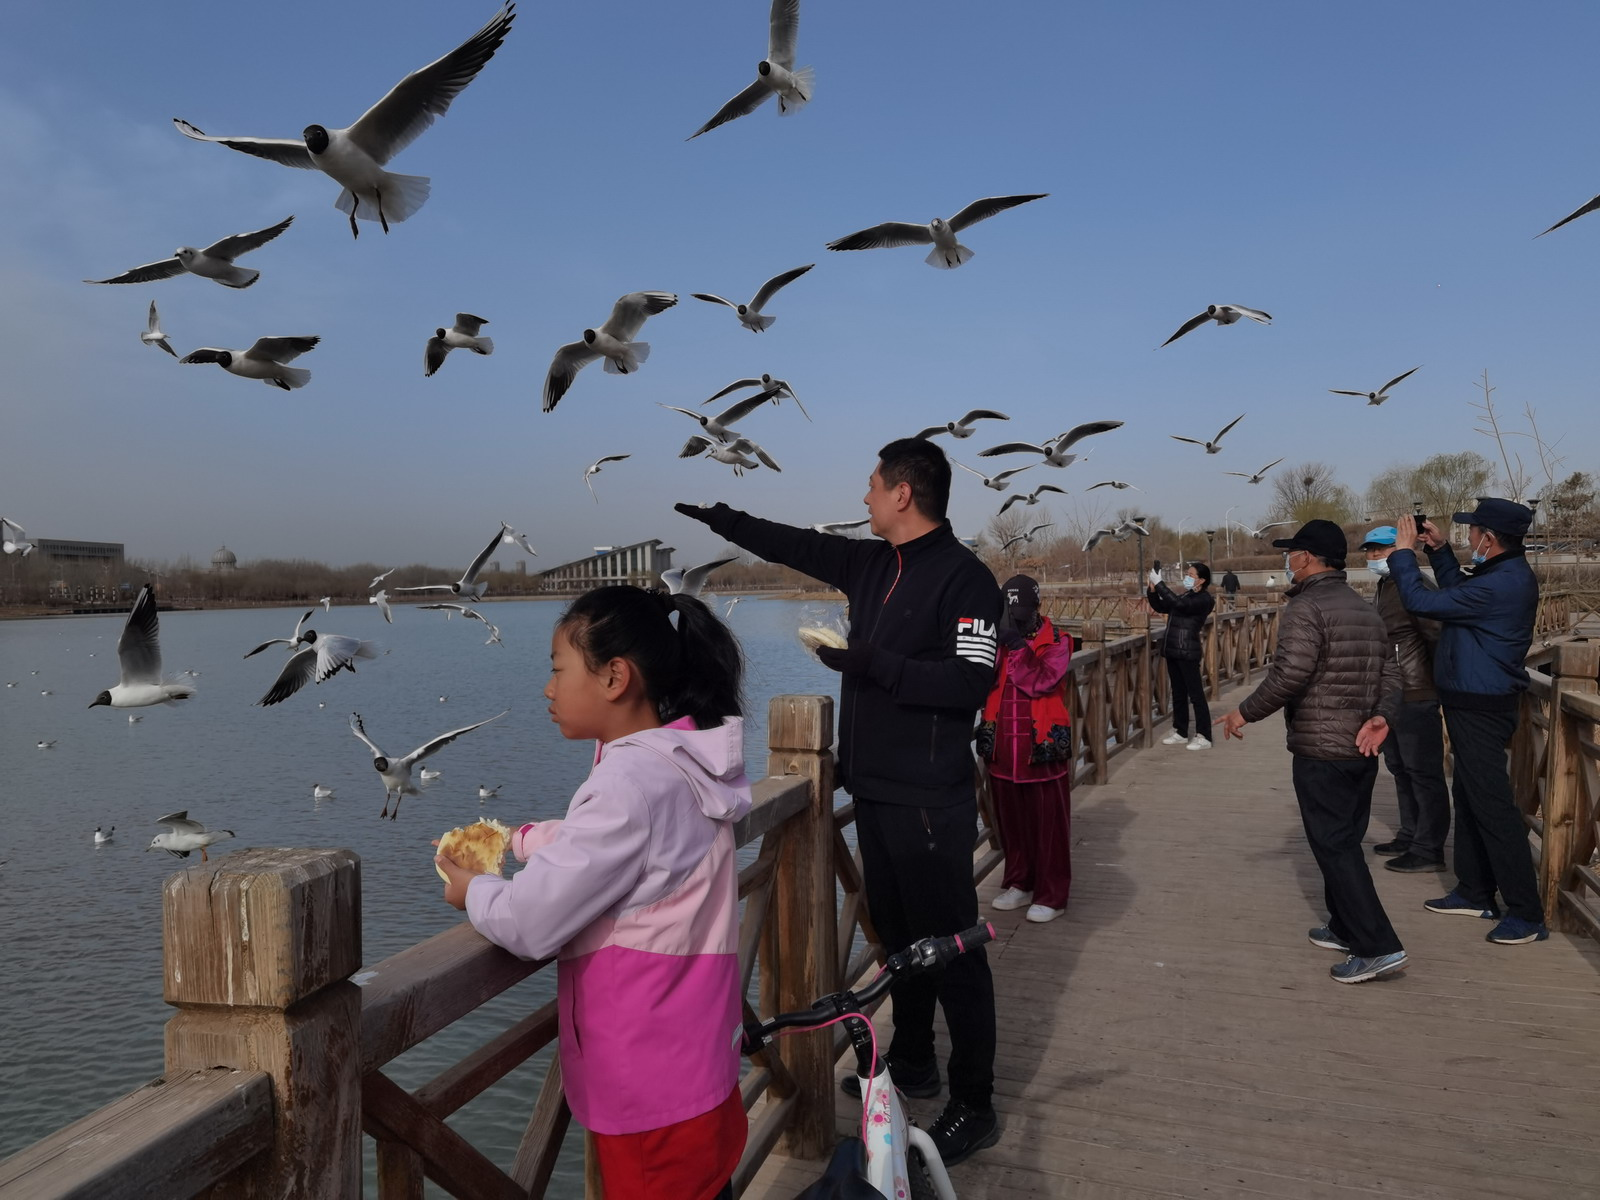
(1040,913)
(1175,739)
(1011,898)
(1199,743)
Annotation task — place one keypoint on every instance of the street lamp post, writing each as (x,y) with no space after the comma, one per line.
(1211,545)
(1181,524)
(1227,529)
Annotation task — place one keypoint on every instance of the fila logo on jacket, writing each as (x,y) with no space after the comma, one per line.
(976,640)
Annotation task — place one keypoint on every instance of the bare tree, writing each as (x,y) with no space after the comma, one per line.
(1309,491)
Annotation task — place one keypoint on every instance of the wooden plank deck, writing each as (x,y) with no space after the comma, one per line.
(1176,1035)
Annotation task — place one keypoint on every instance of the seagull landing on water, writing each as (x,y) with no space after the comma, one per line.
(215,262)
(1055,450)
(775,74)
(1032,498)
(839,527)
(750,315)
(1222,314)
(355,156)
(468,585)
(741,454)
(471,614)
(964,427)
(139,649)
(594,469)
(463,335)
(152,335)
(999,481)
(1214,446)
(690,581)
(947,253)
(776,388)
(396,772)
(1026,538)
(1382,394)
(1258,476)
(613,342)
(186,837)
(14,540)
(264,360)
(102,836)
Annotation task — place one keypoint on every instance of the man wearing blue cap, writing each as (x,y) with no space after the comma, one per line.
(1486,627)
(1414,751)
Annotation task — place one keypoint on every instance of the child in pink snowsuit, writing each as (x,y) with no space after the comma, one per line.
(636,890)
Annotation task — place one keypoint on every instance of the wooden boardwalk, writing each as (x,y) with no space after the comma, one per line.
(1176,1035)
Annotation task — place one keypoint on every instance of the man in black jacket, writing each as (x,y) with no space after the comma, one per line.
(924,616)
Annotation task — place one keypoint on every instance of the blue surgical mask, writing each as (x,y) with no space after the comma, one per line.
(1188,583)
(1288,571)
(1379,567)
(1478,556)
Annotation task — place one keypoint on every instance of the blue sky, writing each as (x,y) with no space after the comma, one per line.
(1371,174)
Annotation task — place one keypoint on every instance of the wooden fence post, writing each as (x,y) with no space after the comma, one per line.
(1574,669)
(802,959)
(258,947)
(1147,700)
(1213,658)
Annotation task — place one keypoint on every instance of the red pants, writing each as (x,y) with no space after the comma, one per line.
(691,1160)
(1035,822)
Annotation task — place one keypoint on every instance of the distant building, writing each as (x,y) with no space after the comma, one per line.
(640,564)
(224,560)
(60,552)
(520,567)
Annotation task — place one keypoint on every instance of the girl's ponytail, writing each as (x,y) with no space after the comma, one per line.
(712,677)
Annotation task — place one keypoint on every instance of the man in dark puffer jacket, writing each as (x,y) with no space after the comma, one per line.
(1337,684)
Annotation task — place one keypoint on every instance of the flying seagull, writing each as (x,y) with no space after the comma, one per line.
(139,649)
(1055,450)
(838,527)
(688,581)
(1025,537)
(750,315)
(1215,444)
(215,262)
(1222,314)
(512,538)
(471,614)
(355,156)
(463,335)
(776,387)
(327,603)
(1120,533)
(736,454)
(613,342)
(396,772)
(186,837)
(377,579)
(720,427)
(1259,475)
(1031,498)
(1587,208)
(468,584)
(292,642)
(1260,534)
(964,427)
(381,599)
(1112,483)
(152,335)
(325,656)
(947,253)
(264,361)
(999,481)
(1379,396)
(775,74)
(594,469)
(14,540)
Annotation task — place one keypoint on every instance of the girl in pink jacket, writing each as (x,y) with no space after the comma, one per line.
(636,890)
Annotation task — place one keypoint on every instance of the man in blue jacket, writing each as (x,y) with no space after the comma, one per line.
(1486,627)
(924,617)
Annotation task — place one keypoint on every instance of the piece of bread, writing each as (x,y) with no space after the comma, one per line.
(812,636)
(480,847)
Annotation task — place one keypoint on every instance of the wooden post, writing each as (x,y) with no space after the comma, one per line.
(1147,701)
(1574,669)
(1213,655)
(1094,631)
(258,948)
(802,950)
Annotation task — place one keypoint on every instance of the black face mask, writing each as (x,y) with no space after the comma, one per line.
(1023,616)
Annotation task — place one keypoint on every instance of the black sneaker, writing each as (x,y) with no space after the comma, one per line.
(1414,863)
(1390,849)
(961,1131)
(919,1084)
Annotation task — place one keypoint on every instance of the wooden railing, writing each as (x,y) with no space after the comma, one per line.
(1555,774)
(1565,610)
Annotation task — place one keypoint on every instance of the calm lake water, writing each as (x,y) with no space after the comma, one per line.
(81,1013)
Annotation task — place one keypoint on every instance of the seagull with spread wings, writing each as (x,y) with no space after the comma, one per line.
(1214,446)
(1573,216)
(750,315)
(1382,394)
(613,342)
(775,74)
(1031,498)
(1259,475)
(14,539)
(1222,314)
(691,581)
(355,156)
(1055,450)
(947,252)
(964,427)
(139,651)
(594,469)
(293,642)
(324,656)
(264,360)
(720,427)
(774,388)
(463,335)
(215,262)
(1260,534)
(999,481)
(1112,483)
(839,527)
(1025,537)
(471,614)
(396,772)
(468,584)
(152,335)
(741,454)
(186,837)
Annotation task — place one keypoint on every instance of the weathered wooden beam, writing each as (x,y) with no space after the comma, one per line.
(448,1159)
(1575,671)
(463,1081)
(773,801)
(175,1136)
(547,1129)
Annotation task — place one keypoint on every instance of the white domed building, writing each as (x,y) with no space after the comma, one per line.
(224,560)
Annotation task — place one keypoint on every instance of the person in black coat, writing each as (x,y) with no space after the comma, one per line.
(1183,649)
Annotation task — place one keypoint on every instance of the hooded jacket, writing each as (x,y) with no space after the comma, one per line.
(1486,621)
(931,612)
(637,890)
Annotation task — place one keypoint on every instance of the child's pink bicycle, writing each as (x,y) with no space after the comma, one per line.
(880,1163)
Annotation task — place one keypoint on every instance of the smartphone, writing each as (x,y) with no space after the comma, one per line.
(1156,566)
(1418,515)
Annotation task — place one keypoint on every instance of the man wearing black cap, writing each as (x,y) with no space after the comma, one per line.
(1486,627)
(1337,684)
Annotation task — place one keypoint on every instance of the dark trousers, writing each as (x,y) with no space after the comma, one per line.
(1491,837)
(1187,689)
(917,871)
(1414,753)
(1335,798)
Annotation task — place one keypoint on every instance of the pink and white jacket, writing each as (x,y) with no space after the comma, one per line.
(637,890)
